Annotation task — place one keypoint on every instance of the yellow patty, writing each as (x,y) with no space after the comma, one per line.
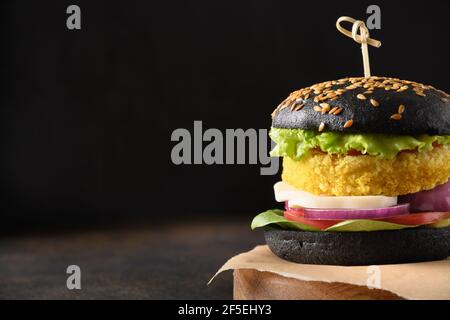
(340,175)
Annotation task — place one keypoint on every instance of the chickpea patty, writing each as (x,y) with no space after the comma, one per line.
(341,175)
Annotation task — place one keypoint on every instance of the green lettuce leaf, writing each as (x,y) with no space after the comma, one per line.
(296,143)
(275,217)
(366,225)
(440,224)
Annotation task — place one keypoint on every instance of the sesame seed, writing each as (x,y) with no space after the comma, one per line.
(348,123)
(361,97)
(339,110)
(325,107)
(299,107)
(321,126)
(284,106)
(333,110)
(317,108)
(401,108)
(396,116)
(374,102)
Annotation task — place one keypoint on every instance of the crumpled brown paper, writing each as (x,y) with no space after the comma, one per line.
(423,280)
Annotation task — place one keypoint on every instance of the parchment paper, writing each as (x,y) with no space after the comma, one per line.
(424,280)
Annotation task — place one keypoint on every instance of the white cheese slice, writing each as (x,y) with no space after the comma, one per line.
(298,198)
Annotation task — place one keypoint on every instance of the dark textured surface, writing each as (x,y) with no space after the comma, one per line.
(87,115)
(146,262)
(360,248)
(423,115)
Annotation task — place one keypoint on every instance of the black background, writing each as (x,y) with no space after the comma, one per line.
(86,115)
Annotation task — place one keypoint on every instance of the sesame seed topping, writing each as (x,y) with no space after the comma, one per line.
(321,126)
(396,116)
(401,108)
(317,108)
(339,110)
(299,107)
(333,110)
(325,107)
(348,123)
(361,96)
(325,92)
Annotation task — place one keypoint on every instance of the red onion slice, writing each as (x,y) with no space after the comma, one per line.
(347,214)
(437,199)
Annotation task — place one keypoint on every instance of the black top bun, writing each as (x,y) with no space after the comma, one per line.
(367,105)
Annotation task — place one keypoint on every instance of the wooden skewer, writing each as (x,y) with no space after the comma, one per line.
(362,38)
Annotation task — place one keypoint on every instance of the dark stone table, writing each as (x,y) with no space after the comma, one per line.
(141,261)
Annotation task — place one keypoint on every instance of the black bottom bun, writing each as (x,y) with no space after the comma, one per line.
(360,248)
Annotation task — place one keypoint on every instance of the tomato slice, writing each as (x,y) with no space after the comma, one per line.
(412,219)
(297,216)
(418,218)
(354,153)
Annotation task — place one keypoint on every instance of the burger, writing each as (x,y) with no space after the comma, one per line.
(365,179)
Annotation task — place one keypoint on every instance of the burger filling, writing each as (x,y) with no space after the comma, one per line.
(360,182)
(340,175)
